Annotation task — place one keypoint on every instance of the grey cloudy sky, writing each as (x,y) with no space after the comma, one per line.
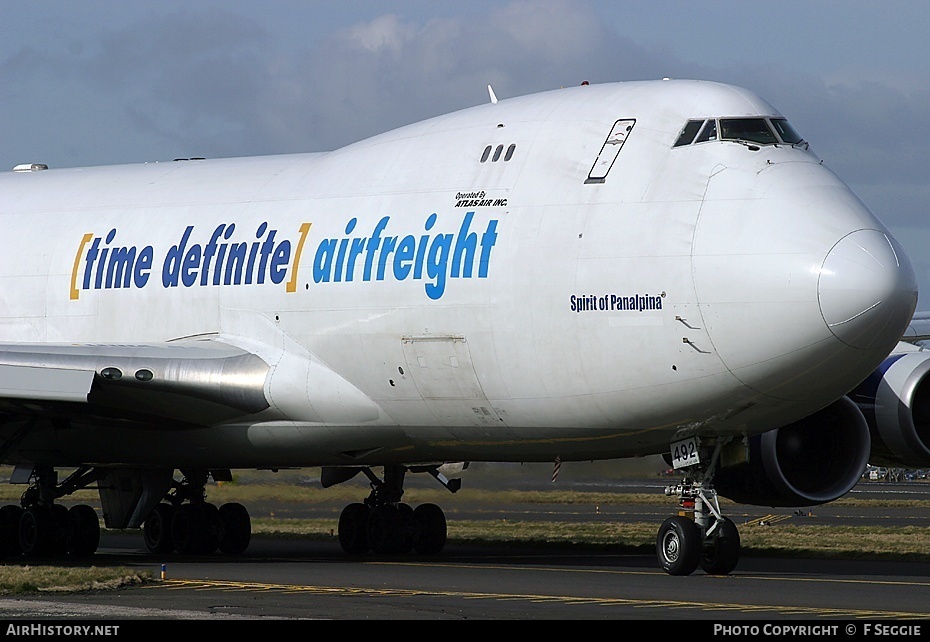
(88,82)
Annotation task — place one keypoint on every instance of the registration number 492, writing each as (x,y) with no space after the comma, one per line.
(685,453)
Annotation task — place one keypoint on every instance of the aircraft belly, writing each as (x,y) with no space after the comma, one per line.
(267,445)
(285,444)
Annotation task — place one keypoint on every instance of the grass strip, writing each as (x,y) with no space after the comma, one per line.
(783,540)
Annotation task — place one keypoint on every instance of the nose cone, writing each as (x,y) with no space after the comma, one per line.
(867,290)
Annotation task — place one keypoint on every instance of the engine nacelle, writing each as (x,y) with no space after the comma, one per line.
(895,400)
(812,461)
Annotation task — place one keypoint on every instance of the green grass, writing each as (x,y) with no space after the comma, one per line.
(786,540)
(52,578)
(790,538)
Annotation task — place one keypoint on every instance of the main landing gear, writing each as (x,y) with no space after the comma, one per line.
(185,522)
(699,535)
(38,527)
(384,525)
(174,515)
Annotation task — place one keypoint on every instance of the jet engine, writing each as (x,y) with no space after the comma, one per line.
(812,461)
(895,400)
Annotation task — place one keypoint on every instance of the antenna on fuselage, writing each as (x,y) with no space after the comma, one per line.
(493,97)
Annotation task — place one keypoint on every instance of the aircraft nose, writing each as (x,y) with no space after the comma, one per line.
(867,289)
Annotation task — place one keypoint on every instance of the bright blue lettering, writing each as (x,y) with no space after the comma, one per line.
(373,244)
(386,250)
(323,261)
(465,242)
(434,256)
(488,239)
(403,256)
(421,251)
(437,265)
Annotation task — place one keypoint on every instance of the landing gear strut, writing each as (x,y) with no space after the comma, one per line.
(699,535)
(385,525)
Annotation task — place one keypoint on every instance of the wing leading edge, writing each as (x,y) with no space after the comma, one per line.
(174,385)
(918,329)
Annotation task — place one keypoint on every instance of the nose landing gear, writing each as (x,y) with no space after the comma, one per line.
(699,535)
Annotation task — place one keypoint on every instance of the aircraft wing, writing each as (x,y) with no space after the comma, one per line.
(173,385)
(918,329)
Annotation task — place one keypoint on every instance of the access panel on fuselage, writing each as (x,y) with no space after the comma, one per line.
(441,367)
(610,149)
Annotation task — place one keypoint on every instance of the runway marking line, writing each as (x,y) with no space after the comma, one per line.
(767,520)
(783,578)
(563,599)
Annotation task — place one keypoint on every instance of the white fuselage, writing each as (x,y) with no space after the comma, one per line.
(417,304)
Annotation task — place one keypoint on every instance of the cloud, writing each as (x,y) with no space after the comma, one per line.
(384,34)
(385,73)
(210,82)
(213,82)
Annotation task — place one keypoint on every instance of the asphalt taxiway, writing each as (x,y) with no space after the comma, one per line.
(291,579)
(279,579)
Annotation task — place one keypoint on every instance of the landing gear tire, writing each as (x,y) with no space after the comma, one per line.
(156,530)
(9,530)
(353,529)
(407,529)
(183,529)
(195,528)
(209,519)
(83,530)
(37,531)
(59,537)
(235,529)
(721,554)
(429,529)
(384,529)
(679,546)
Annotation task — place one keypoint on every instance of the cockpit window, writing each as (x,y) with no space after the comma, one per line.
(760,131)
(753,130)
(708,133)
(692,127)
(786,132)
